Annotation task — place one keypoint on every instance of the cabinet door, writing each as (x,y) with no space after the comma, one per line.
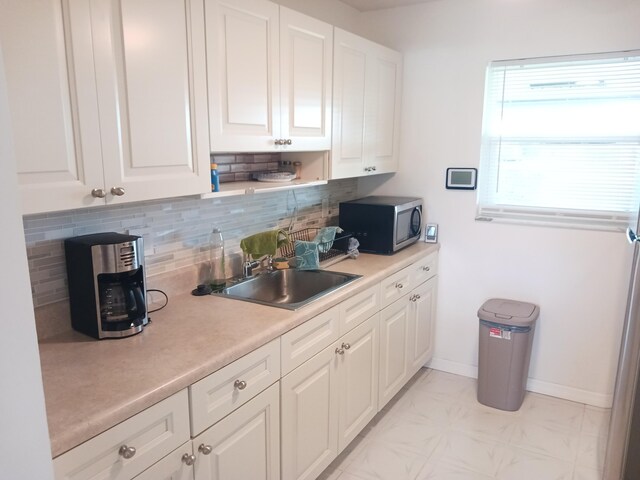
(171,467)
(383,103)
(349,105)
(243,445)
(358,380)
(151,82)
(52,103)
(422,318)
(310,416)
(243,74)
(306,49)
(394,325)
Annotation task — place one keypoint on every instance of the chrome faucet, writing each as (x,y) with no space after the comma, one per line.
(250,265)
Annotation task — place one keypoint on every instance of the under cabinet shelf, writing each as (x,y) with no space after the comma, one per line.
(250,187)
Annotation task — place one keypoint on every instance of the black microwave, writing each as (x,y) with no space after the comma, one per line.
(382,224)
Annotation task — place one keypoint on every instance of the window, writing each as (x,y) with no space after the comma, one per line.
(561,141)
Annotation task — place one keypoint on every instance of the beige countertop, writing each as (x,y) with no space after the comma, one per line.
(91,385)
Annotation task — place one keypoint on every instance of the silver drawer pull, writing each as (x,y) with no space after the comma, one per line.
(189,459)
(205,449)
(426,269)
(127,452)
(399,286)
(340,351)
(346,346)
(240,384)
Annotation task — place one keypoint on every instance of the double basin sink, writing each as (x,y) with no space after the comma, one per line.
(290,289)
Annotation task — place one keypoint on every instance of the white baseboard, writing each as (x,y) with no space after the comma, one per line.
(538,386)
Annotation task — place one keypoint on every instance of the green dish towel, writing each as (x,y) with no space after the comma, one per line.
(264,243)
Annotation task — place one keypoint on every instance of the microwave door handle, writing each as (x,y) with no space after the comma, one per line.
(417,231)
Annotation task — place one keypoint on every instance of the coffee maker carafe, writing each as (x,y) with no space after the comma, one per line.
(107,291)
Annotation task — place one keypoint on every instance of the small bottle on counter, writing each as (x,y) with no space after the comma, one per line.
(217,277)
(215,179)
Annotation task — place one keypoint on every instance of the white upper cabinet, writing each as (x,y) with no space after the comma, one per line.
(55,169)
(151,78)
(366,107)
(269,74)
(107,100)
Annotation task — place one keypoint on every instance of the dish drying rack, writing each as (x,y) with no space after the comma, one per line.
(335,251)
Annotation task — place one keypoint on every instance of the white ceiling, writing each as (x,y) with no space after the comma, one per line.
(368,5)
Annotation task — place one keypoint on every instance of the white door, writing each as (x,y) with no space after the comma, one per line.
(310,416)
(394,325)
(306,51)
(151,82)
(52,102)
(243,75)
(175,466)
(422,318)
(383,128)
(243,445)
(358,369)
(348,152)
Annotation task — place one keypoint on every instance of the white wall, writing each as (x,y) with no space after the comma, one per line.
(25,452)
(579,278)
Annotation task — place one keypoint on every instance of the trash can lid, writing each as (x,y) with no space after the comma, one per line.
(509,312)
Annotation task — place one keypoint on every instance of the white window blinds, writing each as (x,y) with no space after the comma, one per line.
(561,141)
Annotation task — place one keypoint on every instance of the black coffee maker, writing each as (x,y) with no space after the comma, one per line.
(107,291)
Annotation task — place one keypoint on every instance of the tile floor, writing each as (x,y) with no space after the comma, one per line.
(435,429)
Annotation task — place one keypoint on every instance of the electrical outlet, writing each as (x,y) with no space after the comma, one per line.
(325,208)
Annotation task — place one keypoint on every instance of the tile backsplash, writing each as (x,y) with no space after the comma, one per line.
(176,231)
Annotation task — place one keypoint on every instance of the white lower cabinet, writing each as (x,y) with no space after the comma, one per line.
(327,400)
(243,445)
(178,465)
(406,329)
(394,328)
(421,320)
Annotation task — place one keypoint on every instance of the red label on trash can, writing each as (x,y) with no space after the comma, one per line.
(496,332)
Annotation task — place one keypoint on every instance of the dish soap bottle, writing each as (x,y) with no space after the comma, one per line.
(215,179)
(217,277)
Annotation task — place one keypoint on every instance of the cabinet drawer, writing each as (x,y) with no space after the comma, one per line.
(358,308)
(153,433)
(424,269)
(222,392)
(303,342)
(395,286)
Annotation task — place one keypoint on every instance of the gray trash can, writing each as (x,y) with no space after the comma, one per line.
(506,335)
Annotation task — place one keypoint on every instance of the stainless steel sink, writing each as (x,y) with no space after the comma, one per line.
(290,289)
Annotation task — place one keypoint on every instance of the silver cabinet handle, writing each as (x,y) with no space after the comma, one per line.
(412,298)
(279,141)
(631,236)
(426,269)
(127,452)
(288,142)
(189,459)
(205,449)
(399,286)
(373,169)
(240,384)
(117,191)
(340,351)
(98,193)
(346,346)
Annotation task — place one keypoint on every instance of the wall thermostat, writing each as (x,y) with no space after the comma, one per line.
(431,233)
(462,178)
